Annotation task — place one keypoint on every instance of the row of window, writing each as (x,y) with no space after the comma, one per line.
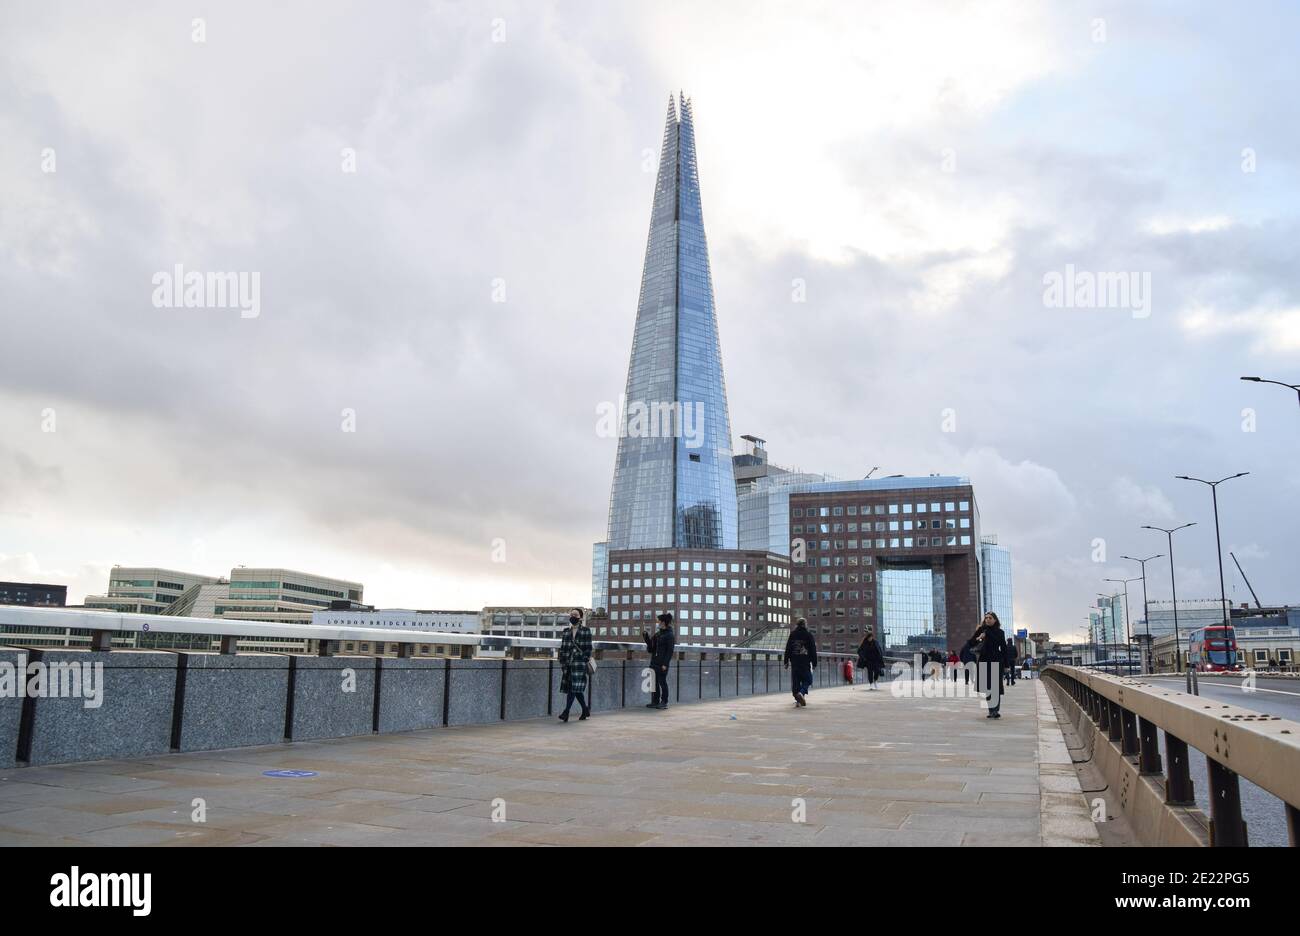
(834,612)
(697,566)
(689,631)
(896,542)
(852,510)
(832,578)
(882,526)
(693,583)
(672,598)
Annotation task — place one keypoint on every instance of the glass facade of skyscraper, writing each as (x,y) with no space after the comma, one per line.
(673,482)
(912,607)
(995,583)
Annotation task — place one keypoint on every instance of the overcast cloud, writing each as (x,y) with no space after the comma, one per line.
(921,167)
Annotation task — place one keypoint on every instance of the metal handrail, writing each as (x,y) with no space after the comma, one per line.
(117,622)
(1236,741)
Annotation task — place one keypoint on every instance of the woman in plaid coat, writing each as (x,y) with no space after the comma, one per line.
(575,651)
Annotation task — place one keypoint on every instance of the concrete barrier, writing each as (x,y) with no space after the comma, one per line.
(134,719)
(333,697)
(229,700)
(158,701)
(11,711)
(731,679)
(410,694)
(686,688)
(528,688)
(636,676)
(711,678)
(474,696)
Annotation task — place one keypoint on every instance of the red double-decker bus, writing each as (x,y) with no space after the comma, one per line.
(1213,649)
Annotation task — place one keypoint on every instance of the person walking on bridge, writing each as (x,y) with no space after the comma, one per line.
(574,656)
(991,655)
(966,657)
(953,662)
(870,660)
(661,656)
(1011,662)
(801,659)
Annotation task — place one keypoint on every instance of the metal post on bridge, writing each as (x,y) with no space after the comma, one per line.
(1227,827)
(1178,782)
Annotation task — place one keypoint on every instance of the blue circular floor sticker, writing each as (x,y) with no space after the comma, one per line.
(288,773)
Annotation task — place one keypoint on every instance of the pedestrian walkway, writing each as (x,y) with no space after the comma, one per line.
(853,768)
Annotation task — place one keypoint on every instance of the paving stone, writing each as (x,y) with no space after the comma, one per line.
(866,769)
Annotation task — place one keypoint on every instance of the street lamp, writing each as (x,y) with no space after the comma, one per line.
(1146,610)
(1291,386)
(1173,588)
(871,472)
(1214,494)
(1128,622)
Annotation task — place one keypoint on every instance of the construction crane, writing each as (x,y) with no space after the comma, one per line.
(1246,580)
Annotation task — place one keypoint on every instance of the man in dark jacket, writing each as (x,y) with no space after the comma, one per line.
(1011,663)
(870,660)
(661,655)
(992,655)
(800,658)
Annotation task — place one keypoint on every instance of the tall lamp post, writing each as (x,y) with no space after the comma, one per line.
(1146,610)
(1290,386)
(1214,494)
(1173,588)
(1128,622)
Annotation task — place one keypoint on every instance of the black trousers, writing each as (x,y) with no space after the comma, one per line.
(661,685)
(800,675)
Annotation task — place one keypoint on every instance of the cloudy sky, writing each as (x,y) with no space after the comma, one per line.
(921,168)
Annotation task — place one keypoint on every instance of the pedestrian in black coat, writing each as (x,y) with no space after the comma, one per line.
(574,656)
(661,656)
(991,655)
(871,661)
(800,658)
(1011,662)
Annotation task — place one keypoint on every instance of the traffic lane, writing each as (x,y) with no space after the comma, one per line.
(1279,697)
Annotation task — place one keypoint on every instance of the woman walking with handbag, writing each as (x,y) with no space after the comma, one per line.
(576,663)
(870,660)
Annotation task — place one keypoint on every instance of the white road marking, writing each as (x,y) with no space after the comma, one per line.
(1222,686)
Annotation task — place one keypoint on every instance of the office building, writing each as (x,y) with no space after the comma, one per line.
(717,597)
(144,589)
(33,595)
(995,582)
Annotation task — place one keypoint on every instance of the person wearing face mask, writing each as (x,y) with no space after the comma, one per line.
(991,656)
(574,655)
(661,655)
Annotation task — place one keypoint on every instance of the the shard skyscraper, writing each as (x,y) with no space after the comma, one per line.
(673,481)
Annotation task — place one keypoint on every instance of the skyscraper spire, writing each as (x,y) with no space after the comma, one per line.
(673,481)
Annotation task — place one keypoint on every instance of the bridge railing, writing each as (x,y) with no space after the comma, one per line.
(1237,742)
(103,626)
(112,702)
